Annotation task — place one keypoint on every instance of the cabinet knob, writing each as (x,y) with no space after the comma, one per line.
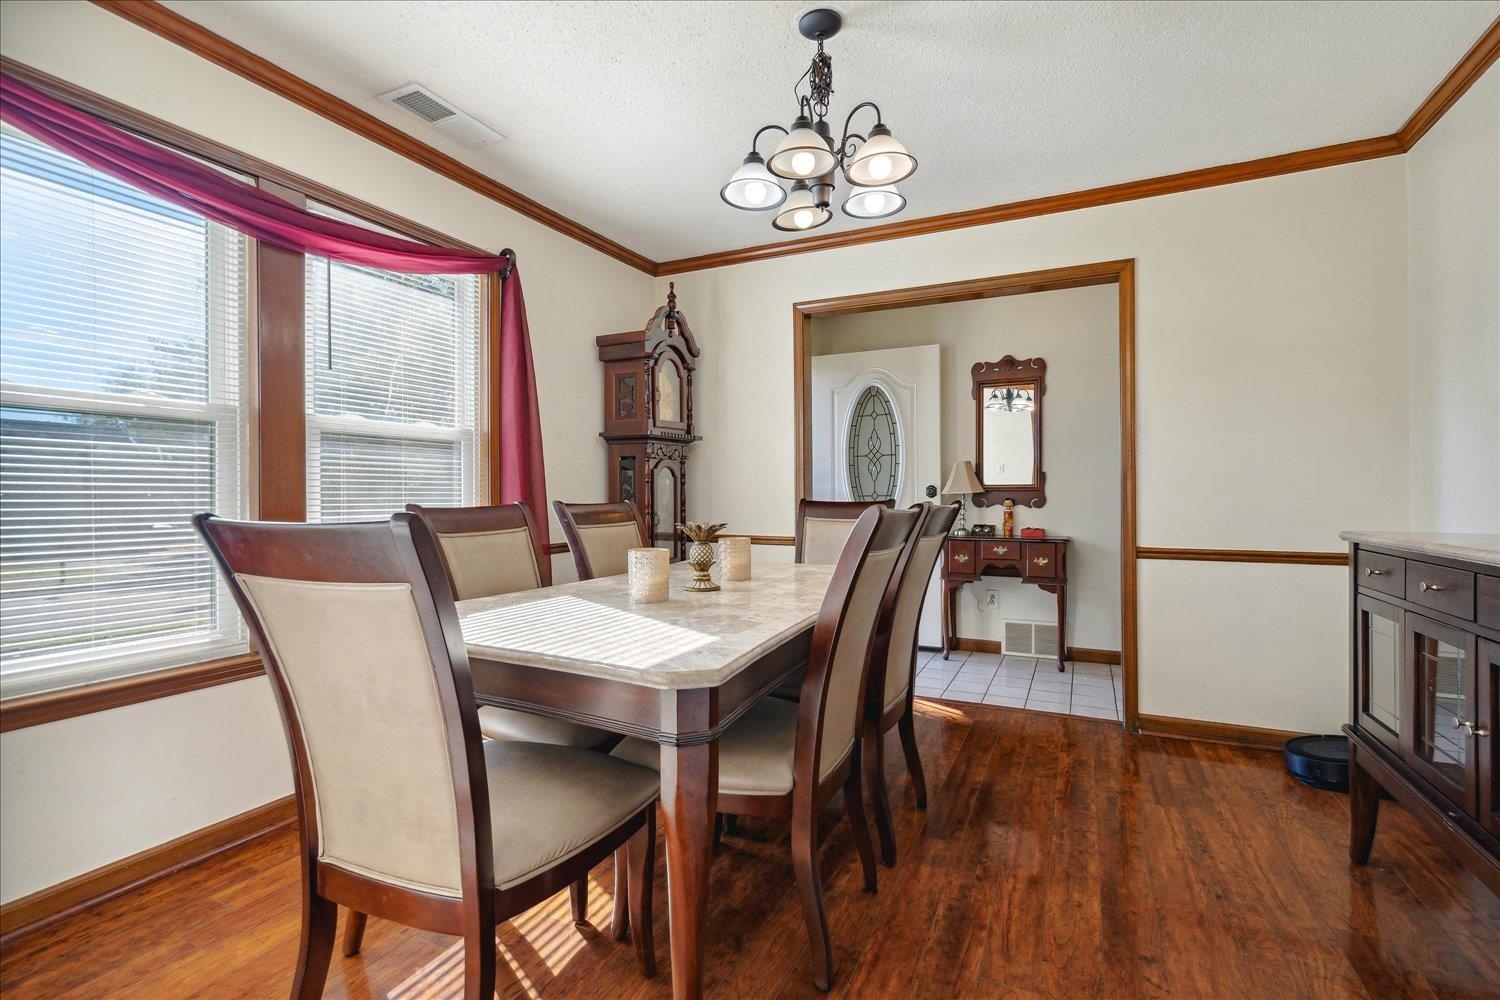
(961,558)
(1469,727)
(1041,560)
(1000,550)
(1425,586)
(1372,571)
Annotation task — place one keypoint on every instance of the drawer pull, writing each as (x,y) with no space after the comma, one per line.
(1000,550)
(1371,571)
(1425,586)
(961,558)
(1465,724)
(1041,560)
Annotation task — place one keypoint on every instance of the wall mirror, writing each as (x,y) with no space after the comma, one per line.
(1008,430)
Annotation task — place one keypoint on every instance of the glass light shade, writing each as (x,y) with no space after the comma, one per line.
(647,570)
(753,187)
(734,556)
(801,211)
(874,203)
(803,154)
(881,160)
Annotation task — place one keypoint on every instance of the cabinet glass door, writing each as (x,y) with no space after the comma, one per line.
(1488,745)
(1380,693)
(1444,707)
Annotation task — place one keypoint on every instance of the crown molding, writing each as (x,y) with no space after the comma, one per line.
(221,51)
(152,16)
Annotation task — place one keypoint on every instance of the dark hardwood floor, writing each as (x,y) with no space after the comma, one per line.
(1058,858)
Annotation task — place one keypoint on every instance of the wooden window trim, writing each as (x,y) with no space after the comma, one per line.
(276,417)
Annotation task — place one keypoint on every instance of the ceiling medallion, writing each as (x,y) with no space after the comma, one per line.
(872,164)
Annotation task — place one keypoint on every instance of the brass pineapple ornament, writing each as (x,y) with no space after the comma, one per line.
(702,553)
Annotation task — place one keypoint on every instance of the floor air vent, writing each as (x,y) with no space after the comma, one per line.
(1030,638)
(441,115)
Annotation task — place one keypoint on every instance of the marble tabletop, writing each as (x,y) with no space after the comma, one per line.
(691,640)
(1476,548)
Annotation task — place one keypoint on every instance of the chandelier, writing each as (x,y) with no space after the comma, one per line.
(872,164)
(1010,400)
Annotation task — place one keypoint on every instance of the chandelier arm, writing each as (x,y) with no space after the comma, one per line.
(848,121)
(763,130)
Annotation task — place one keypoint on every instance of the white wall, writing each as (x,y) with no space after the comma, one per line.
(1453,202)
(1272,407)
(1077,332)
(87,791)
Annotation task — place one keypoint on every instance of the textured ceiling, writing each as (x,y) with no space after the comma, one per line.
(629,117)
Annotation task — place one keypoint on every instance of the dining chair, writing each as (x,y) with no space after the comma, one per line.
(788,759)
(497,550)
(824,525)
(888,699)
(404,811)
(600,535)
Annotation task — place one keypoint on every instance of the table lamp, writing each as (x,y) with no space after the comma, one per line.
(962,483)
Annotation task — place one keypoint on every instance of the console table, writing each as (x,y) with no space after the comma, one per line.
(1042,562)
(1425,612)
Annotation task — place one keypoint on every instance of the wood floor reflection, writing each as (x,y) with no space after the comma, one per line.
(1059,857)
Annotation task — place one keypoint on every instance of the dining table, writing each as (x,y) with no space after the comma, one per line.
(677,672)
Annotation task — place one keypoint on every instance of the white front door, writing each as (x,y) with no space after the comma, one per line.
(876,435)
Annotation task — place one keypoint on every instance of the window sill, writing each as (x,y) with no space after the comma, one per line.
(85,699)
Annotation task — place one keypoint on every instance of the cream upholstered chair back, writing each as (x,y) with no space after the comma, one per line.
(844,636)
(600,535)
(823,527)
(362,655)
(901,652)
(488,550)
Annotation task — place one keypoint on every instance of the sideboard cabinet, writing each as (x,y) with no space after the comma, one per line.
(1426,689)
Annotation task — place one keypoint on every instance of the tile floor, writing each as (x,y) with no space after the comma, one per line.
(1089,689)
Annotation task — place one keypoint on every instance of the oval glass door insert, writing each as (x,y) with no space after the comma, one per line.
(874,447)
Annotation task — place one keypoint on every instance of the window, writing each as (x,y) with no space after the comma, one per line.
(393,376)
(121,330)
(873,447)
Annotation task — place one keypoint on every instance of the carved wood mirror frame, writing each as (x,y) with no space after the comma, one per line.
(1009,371)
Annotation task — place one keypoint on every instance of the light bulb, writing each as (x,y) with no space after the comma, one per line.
(756,193)
(880,167)
(803,163)
(802,219)
(875,202)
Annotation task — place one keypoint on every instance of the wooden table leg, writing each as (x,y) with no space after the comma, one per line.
(1062,626)
(1364,808)
(689,801)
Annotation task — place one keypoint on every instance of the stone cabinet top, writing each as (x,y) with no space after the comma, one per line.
(1476,548)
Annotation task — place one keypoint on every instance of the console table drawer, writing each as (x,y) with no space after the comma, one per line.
(1001,550)
(1384,573)
(1041,559)
(1489,601)
(963,556)
(1441,588)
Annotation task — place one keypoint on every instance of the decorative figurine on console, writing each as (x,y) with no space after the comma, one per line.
(1009,528)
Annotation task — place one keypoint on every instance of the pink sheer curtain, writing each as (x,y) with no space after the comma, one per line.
(183,181)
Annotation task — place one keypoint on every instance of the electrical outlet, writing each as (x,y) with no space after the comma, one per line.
(991,600)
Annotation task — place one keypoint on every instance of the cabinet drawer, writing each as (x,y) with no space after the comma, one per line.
(1441,588)
(1489,604)
(1041,559)
(962,557)
(1000,550)
(1386,574)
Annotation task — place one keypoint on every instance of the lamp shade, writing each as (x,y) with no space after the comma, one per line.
(962,481)
(801,211)
(874,203)
(879,161)
(803,154)
(753,188)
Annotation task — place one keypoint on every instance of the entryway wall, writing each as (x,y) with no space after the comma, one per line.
(1077,331)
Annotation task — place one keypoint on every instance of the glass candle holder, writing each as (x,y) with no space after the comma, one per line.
(648,569)
(734,556)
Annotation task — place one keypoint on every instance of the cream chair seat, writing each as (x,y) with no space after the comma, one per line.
(556,801)
(755,754)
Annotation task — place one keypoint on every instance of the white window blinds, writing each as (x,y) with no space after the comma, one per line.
(393,370)
(121,331)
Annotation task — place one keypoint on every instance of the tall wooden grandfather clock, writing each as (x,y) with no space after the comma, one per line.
(648,418)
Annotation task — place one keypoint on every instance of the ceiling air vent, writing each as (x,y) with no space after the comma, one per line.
(441,115)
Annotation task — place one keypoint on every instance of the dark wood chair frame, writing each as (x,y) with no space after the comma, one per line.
(834,510)
(877,721)
(875,529)
(573,515)
(505,517)
(403,550)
